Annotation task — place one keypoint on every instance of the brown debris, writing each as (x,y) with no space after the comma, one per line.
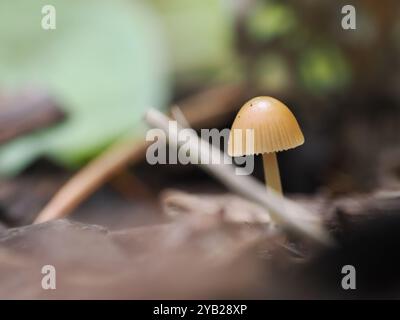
(198,257)
(26,111)
(231,208)
(21,198)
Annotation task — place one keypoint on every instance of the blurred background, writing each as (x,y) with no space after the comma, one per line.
(75,96)
(69,93)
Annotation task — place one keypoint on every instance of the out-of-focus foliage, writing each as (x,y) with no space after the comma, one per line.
(323,69)
(200,37)
(298,60)
(269,20)
(106,62)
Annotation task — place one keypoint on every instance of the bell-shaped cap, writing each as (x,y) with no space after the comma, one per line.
(274,128)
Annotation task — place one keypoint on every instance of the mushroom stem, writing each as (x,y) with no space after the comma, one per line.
(271,172)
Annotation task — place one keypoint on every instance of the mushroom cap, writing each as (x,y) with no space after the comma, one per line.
(275,128)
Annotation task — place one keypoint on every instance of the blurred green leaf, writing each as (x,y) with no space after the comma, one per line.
(106,63)
(200,35)
(269,20)
(324,69)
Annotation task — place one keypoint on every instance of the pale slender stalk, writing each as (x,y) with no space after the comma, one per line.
(271,172)
(284,211)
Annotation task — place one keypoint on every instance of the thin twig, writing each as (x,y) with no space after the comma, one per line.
(178,115)
(286,212)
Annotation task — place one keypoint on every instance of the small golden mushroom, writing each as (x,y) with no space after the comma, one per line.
(274,129)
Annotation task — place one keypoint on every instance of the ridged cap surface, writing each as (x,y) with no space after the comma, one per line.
(275,128)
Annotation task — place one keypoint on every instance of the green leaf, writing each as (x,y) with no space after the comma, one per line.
(270,20)
(324,69)
(105,62)
(200,34)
